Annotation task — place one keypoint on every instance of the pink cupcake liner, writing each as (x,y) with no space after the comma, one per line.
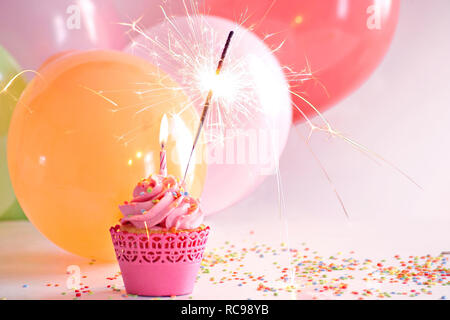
(163,264)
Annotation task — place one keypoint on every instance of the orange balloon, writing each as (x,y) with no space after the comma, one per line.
(82,135)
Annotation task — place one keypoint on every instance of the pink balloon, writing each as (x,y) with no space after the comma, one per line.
(250,117)
(343,40)
(35,30)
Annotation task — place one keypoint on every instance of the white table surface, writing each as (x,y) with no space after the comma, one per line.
(31,267)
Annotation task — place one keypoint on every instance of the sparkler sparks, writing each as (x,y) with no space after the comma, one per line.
(188,49)
(5,88)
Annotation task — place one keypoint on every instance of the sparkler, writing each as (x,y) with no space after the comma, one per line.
(207,102)
(185,48)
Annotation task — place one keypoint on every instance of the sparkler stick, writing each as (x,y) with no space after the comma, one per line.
(207,102)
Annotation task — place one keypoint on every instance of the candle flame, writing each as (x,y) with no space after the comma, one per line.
(163,131)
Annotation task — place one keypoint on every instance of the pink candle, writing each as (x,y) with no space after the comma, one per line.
(162,162)
(163,133)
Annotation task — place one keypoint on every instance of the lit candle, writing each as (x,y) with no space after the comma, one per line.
(163,133)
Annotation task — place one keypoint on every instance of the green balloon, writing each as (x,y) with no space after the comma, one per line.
(9,208)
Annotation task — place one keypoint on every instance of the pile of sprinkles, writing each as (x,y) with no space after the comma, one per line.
(334,275)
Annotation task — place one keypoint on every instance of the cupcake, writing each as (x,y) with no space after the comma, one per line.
(160,241)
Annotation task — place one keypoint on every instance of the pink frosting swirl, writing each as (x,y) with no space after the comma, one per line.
(160,202)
